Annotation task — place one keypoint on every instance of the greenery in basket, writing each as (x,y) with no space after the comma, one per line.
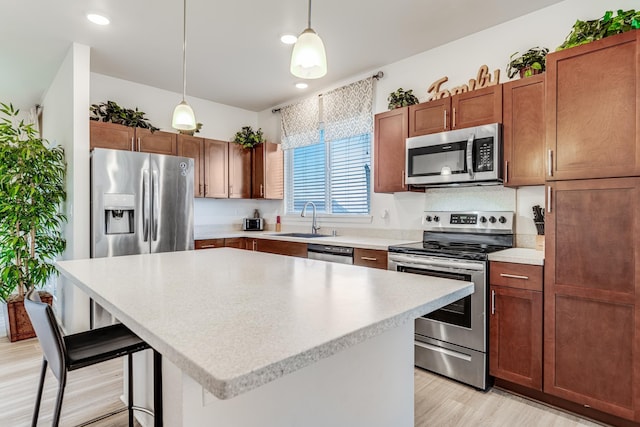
(533,59)
(249,138)
(32,188)
(400,98)
(610,24)
(111,112)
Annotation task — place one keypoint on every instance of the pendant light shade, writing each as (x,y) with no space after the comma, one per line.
(183,116)
(308,59)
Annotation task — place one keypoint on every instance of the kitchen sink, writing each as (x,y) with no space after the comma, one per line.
(303,235)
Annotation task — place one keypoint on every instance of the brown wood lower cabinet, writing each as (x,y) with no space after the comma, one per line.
(515,342)
(370,258)
(209,243)
(279,247)
(235,242)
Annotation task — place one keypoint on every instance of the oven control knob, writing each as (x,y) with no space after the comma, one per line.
(502,220)
(436,218)
(483,219)
(492,219)
(428,218)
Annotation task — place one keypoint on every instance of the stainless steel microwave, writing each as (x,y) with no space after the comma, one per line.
(471,156)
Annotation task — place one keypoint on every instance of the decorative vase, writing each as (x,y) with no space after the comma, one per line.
(17,320)
(528,72)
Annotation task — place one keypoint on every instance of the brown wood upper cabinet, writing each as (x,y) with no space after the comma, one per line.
(211,165)
(524,131)
(267,172)
(391,131)
(239,172)
(515,344)
(191,146)
(119,137)
(591,290)
(592,110)
(478,107)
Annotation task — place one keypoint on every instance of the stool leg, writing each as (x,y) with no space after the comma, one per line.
(56,412)
(157,389)
(36,410)
(130,388)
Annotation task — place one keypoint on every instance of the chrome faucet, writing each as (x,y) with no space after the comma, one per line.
(314,225)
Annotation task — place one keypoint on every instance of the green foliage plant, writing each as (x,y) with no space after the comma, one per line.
(401,98)
(249,138)
(610,24)
(32,189)
(533,59)
(111,112)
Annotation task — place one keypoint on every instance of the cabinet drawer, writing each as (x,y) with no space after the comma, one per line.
(235,242)
(370,258)
(209,243)
(522,276)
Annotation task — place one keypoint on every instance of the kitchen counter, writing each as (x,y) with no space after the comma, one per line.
(519,256)
(233,329)
(348,240)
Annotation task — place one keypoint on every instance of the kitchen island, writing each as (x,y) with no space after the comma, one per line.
(259,339)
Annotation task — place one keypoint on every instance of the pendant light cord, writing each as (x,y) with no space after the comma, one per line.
(309,17)
(184,49)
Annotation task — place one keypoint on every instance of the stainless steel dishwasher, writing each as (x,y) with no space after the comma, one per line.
(339,254)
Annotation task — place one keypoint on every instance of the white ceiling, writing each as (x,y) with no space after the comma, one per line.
(234,55)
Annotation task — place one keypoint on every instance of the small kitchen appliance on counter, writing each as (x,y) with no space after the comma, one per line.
(453,341)
(253,224)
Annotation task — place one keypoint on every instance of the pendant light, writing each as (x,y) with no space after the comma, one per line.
(183,116)
(308,59)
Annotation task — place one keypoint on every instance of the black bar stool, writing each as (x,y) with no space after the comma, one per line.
(68,353)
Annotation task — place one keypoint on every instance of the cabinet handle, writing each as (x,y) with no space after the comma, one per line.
(506,171)
(514,276)
(200,190)
(445,120)
(550,163)
(402,178)
(367,258)
(261,190)
(138,144)
(255,245)
(493,302)
(205,190)
(207,246)
(132,146)
(549,199)
(454,118)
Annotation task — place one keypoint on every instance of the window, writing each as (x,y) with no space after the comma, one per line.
(335,175)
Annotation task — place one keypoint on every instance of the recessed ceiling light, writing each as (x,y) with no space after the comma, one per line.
(302,85)
(98,19)
(288,39)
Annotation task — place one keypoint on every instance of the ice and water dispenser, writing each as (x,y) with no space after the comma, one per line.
(119,213)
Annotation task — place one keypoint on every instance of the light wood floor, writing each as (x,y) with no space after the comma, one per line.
(96,390)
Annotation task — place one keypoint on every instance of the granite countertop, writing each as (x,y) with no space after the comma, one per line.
(518,256)
(233,328)
(363,242)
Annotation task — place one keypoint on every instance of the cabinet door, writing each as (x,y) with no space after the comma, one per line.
(281,247)
(430,117)
(591,341)
(391,131)
(524,131)
(193,147)
(209,243)
(156,142)
(592,117)
(515,344)
(235,242)
(267,172)
(478,107)
(370,258)
(216,169)
(111,135)
(239,172)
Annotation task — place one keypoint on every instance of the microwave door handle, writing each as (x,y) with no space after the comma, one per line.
(470,155)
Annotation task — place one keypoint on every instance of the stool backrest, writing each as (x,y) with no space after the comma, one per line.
(48,332)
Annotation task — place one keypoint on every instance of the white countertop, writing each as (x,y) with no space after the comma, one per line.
(363,242)
(234,320)
(518,256)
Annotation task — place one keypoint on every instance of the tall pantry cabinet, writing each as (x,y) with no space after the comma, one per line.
(592,259)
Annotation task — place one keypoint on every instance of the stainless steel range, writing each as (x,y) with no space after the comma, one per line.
(453,341)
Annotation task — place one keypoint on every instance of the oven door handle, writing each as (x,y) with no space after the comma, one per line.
(445,351)
(472,137)
(429,262)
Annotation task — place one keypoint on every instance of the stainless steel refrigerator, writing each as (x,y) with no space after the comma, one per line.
(140,203)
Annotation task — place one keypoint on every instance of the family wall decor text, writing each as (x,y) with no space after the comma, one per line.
(483,79)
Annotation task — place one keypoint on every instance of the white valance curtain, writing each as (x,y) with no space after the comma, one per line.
(344,112)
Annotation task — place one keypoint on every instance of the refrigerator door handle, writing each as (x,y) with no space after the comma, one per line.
(145,205)
(156,209)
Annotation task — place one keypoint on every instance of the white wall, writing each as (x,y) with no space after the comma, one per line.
(64,122)
(460,60)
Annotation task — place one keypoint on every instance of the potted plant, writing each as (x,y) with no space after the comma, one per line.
(400,98)
(529,63)
(32,188)
(249,138)
(111,112)
(587,31)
